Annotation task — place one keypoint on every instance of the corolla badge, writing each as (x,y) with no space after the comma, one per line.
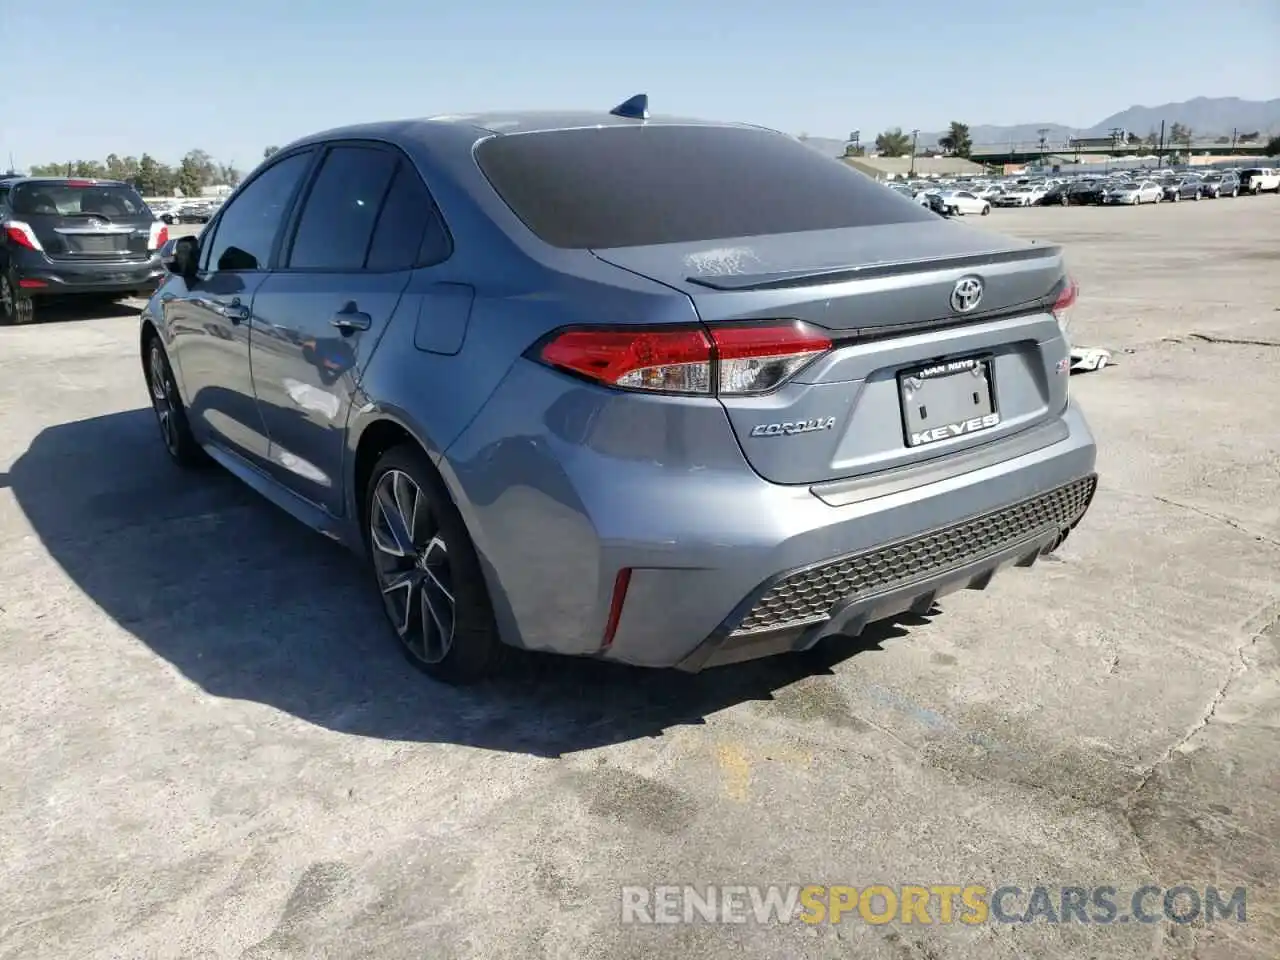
(789,428)
(967,294)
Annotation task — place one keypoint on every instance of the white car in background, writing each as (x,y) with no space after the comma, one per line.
(1024,196)
(1133,193)
(950,202)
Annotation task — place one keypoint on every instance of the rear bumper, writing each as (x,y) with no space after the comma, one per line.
(843,596)
(40,276)
(835,569)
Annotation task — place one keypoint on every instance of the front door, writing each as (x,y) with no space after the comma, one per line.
(318,318)
(210,317)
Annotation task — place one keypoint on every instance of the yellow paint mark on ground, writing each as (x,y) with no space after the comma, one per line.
(735,768)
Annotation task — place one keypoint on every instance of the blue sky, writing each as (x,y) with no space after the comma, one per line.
(237,75)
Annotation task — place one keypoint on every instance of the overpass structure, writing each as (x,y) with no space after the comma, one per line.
(999,153)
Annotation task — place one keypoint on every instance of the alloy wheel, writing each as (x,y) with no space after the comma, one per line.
(14,308)
(164,398)
(411,560)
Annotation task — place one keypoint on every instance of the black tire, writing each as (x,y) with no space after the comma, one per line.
(473,650)
(171,415)
(1197,196)
(15,306)
(986,210)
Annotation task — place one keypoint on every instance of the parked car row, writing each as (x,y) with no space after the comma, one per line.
(179,211)
(1120,188)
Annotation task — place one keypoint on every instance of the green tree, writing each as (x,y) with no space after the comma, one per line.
(148,179)
(893,143)
(228,174)
(957,141)
(89,169)
(269,151)
(190,176)
(1272,148)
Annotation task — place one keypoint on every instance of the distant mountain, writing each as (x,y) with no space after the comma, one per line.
(1206,116)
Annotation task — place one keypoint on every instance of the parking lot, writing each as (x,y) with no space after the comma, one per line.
(212,747)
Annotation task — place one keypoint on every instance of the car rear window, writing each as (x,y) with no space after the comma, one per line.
(598,188)
(70,198)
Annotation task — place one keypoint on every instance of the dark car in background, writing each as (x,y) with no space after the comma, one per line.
(74,237)
(1181,188)
(1216,185)
(1088,192)
(1056,197)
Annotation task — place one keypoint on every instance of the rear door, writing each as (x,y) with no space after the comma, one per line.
(87,220)
(359,234)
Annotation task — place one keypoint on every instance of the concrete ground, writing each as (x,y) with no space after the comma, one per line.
(209,746)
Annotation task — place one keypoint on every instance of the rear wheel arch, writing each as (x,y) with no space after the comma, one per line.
(375,440)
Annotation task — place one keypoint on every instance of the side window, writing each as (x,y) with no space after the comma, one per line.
(247,226)
(409,232)
(338,218)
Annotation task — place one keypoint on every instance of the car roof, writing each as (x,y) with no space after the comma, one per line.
(97,181)
(470,128)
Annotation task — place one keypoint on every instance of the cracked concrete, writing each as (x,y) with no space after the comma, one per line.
(211,749)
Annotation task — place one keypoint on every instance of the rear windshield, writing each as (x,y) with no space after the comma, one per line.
(608,187)
(68,198)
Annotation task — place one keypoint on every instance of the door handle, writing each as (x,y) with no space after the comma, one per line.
(235,311)
(349,319)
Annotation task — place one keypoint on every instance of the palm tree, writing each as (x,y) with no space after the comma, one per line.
(893,143)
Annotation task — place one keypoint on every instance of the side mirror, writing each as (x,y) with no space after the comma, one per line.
(181,256)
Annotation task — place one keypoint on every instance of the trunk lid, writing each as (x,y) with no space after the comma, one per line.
(884,295)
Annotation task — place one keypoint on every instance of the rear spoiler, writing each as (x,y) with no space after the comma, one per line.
(801,278)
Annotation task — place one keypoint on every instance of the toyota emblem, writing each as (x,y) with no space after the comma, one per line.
(967,294)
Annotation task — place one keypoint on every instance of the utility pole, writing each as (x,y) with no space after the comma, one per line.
(1235,134)
(1043,132)
(1160,149)
(915,134)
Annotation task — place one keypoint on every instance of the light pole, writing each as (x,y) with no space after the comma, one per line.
(915,135)
(1044,135)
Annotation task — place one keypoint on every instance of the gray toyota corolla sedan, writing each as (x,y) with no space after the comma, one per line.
(660,391)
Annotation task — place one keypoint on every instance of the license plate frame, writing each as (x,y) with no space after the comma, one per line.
(962,392)
(98,244)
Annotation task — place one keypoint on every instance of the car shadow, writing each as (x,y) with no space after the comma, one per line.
(73,309)
(249,604)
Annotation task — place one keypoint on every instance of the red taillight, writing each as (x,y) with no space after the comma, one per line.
(159,236)
(756,359)
(22,235)
(81,183)
(674,360)
(620,584)
(32,284)
(1066,299)
(735,360)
